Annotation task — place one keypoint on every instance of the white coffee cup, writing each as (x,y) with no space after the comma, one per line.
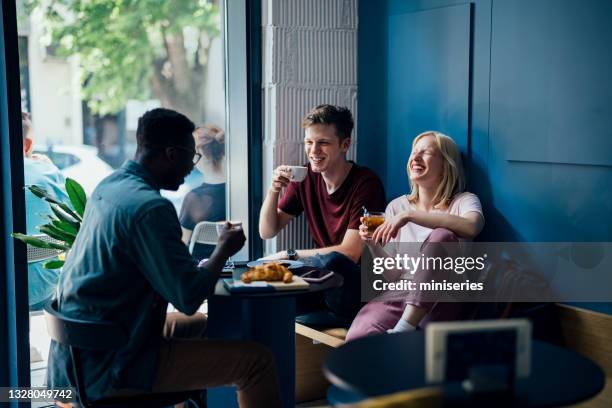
(221,226)
(297,173)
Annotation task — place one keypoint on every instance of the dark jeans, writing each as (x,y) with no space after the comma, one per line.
(343,302)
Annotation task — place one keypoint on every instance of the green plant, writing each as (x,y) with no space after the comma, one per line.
(126,49)
(63,225)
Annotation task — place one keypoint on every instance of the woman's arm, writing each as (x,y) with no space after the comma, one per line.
(466,226)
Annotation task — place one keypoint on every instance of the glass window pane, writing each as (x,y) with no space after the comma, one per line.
(86,81)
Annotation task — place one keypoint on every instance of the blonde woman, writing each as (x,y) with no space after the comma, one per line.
(436,210)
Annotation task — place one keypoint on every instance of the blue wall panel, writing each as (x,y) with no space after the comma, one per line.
(550,84)
(551,119)
(428,69)
(372,69)
(538,108)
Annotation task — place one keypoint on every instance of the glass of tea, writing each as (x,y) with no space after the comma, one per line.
(372,220)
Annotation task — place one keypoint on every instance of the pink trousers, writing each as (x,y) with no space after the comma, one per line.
(378,316)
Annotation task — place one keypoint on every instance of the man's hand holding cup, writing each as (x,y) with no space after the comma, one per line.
(231,238)
(281,177)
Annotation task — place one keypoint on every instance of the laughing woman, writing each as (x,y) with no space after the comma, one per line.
(436,210)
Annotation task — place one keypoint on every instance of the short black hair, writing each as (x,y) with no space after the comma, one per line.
(338,116)
(163,127)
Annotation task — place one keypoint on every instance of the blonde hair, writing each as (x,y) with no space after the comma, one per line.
(210,141)
(453,176)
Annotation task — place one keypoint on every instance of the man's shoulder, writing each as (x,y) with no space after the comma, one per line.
(130,194)
(37,171)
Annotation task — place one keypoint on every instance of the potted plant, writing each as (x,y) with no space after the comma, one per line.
(63,225)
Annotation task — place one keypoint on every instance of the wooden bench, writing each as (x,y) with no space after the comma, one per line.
(586,332)
(311,348)
(590,334)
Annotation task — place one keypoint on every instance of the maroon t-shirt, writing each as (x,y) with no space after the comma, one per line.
(329,216)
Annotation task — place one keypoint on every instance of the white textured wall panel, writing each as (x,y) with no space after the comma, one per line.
(312,13)
(310,58)
(314,57)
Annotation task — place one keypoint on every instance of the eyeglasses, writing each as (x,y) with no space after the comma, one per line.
(196,156)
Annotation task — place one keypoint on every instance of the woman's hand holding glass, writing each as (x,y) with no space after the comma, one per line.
(390,228)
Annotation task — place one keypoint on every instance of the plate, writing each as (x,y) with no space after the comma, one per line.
(286,262)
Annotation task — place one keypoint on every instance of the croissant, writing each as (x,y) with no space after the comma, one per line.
(268,272)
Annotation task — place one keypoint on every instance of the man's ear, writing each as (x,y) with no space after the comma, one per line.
(28,146)
(345,144)
(170,154)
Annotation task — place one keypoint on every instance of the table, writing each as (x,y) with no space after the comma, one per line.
(267,318)
(389,363)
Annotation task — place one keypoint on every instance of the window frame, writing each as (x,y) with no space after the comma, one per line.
(14,324)
(243,119)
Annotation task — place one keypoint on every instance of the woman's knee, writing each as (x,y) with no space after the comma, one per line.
(442,235)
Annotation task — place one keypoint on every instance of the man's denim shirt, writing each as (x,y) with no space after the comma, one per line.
(127,263)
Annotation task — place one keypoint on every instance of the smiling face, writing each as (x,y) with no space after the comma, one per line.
(426,164)
(324,148)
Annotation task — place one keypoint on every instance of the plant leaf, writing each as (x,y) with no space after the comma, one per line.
(39,192)
(70,211)
(56,233)
(35,242)
(64,226)
(38,243)
(77,196)
(63,216)
(53,264)
(42,193)
(60,231)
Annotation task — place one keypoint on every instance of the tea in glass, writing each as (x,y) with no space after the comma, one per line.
(373,220)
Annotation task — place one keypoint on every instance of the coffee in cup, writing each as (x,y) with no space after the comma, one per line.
(297,173)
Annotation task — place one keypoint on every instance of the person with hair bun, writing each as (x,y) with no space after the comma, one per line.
(438,210)
(207,201)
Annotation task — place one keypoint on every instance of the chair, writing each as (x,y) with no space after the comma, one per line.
(80,335)
(205,232)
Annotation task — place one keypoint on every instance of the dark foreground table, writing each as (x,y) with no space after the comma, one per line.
(389,363)
(267,318)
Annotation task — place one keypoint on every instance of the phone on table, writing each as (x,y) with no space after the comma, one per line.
(317,275)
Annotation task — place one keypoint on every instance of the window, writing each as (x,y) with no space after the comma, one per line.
(86,97)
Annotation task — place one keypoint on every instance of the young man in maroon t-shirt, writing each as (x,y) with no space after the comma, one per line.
(332,197)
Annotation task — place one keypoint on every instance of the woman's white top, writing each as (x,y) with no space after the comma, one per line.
(461,204)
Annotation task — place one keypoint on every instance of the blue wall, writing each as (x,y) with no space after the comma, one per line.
(524,87)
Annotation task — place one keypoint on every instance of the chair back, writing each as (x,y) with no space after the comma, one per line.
(205,232)
(79,335)
(42,254)
(83,334)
